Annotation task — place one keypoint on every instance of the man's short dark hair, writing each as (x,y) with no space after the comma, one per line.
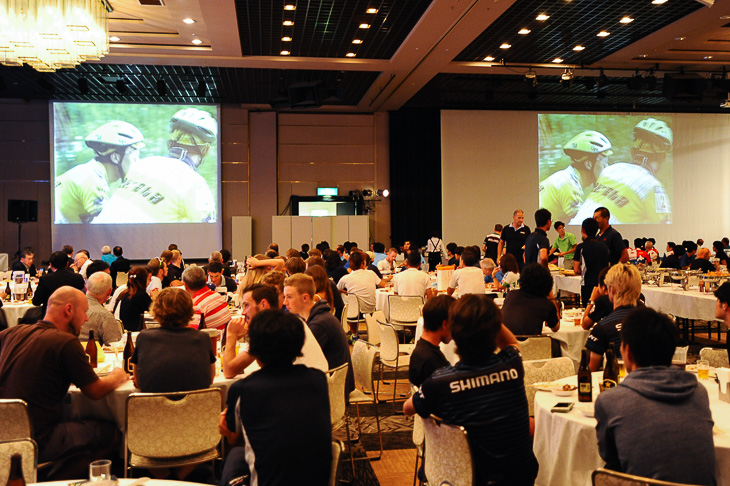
(378,247)
(215,267)
(690,246)
(275,247)
(475,322)
(725,241)
(436,311)
(295,265)
(469,257)
(275,337)
(356,259)
(558,224)
(68,249)
(459,250)
(27,252)
(314,261)
(413,258)
(605,213)
(85,252)
(59,260)
(265,292)
(96,266)
(590,227)
(723,293)
(638,243)
(118,251)
(671,244)
(498,227)
(226,255)
(650,335)
(451,247)
(536,280)
(653,241)
(542,216)
(679,250)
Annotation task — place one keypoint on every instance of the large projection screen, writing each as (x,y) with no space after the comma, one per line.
(140,176)
(492,161)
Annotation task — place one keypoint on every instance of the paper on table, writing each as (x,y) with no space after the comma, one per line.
(723,376)
(443,276)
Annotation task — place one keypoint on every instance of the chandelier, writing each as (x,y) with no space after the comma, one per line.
(53,34)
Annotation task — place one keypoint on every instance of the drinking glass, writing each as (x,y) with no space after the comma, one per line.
(100,470)
(621,370)
(703,369)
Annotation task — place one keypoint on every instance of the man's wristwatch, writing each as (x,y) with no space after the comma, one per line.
(590,302)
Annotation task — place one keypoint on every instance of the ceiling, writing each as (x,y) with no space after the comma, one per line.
(413,53)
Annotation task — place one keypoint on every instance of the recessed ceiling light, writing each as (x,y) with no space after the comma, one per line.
(285,53)
(542,17)
(357,41)
(114,38)
(288,22)
(707,57)
(505,45)
(364,26)
(658,2)
(197,41)
(626,20)
(579,48)
(371,11)
(524,31)
(724,17)
(188,21)
(489,59)
(643,55)
(603,33)
(286,39)
(557,60)
(680,38)
(350,54)
(290,7)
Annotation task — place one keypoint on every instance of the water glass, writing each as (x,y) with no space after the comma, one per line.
(100,470)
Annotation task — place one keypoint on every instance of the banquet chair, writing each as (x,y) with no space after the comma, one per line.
(336,380)
(718,358)
(28,449)
(171,429)
(15,423)
(336,452)
(404,310)
(31,316)
(535,347)
(448,460)
(354,316)
(606,477)
(373,329)
(418,437)
(343,318)
(122,278)
(392,354)
(544,370)
(363,362)
(3,320)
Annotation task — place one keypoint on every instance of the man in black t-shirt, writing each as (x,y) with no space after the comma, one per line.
(491,243)
(610,237)
(591,257)
(513,238)
(537,244)
(427,356)
(484,393)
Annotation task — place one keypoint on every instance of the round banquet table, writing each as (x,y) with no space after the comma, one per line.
(566,445)
(572,339)
(14,311)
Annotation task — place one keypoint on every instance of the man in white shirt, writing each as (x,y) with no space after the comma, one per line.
(412,281)
(82,262)
(361,283)
(469,279)
(387,266)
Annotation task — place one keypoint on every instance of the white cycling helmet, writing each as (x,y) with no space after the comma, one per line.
(588,142)
(113,134)
(655,133)
(196,124)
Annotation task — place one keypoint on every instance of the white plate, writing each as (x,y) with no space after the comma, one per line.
(586,409)
(562,393)
(545,385)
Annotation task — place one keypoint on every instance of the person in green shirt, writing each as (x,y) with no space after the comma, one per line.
(564,244)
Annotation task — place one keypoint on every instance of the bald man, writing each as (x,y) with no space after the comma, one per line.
(38,363)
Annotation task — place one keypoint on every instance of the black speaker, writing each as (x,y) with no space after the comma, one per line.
(683,86)
(22,211)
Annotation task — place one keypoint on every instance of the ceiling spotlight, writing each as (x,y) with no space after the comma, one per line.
(383,193)
(557,60)
(83,85)
(489,58)
(290,7)
(567,75)
(197,42)
(367,192)
(371,10)
(542,17)
(626,20)
(579,48)
(350,54)
(286,39)
(201,88)
(364,26)
(603,33)
(114,38)
(530,74)
(161,87)
(658,2)
(188,21)
(121,86)
(288,23)
(524,31)
(357,41)
(505,45)
(285,53)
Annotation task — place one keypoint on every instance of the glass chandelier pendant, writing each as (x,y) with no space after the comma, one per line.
(53,34)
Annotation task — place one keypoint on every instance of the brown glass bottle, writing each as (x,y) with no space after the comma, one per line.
(585,381)
(91,350)
(201,325)
(128,353)
(610,370)
(8,292)
(15,478)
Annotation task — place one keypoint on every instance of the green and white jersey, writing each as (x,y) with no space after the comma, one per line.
(632,195)
(160,190)
(80,193)
(562,194)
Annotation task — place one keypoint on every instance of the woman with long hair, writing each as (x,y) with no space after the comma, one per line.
(323,289)
(134,301)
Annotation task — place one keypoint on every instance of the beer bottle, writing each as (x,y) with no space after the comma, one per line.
(201,326)
(15,478)
(585,381)
(91,350)
(610,370)
(8,292)
(128,353)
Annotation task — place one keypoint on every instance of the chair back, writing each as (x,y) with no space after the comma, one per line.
(418,433)
(405,308)
(448,456)
(373,329)
(680,354)
(3,320)
(337,447)
(165,425)
(28,449)
(122,279)
(31,316)
(379,315)
(535,347)
(15,422)
(718,358)
(336,379)
(343,317)
(363,361)
(353,307)
(605,477)
(388,342)
(544,370)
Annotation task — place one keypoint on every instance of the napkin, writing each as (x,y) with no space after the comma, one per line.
(723,376)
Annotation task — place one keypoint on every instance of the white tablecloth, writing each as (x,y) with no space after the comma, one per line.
(572,340)
(570,284)
(566,446)
(14,311)
(3,262)
(381,301)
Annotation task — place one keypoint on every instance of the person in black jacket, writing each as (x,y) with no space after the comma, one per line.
(121,264)
(25,263)
(60,276)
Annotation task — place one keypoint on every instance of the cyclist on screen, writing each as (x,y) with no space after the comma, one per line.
(81,192)
(167,189)
(631,191)
(562,193)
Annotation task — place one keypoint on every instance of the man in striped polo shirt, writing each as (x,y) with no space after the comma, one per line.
(484,393)
(210,304)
